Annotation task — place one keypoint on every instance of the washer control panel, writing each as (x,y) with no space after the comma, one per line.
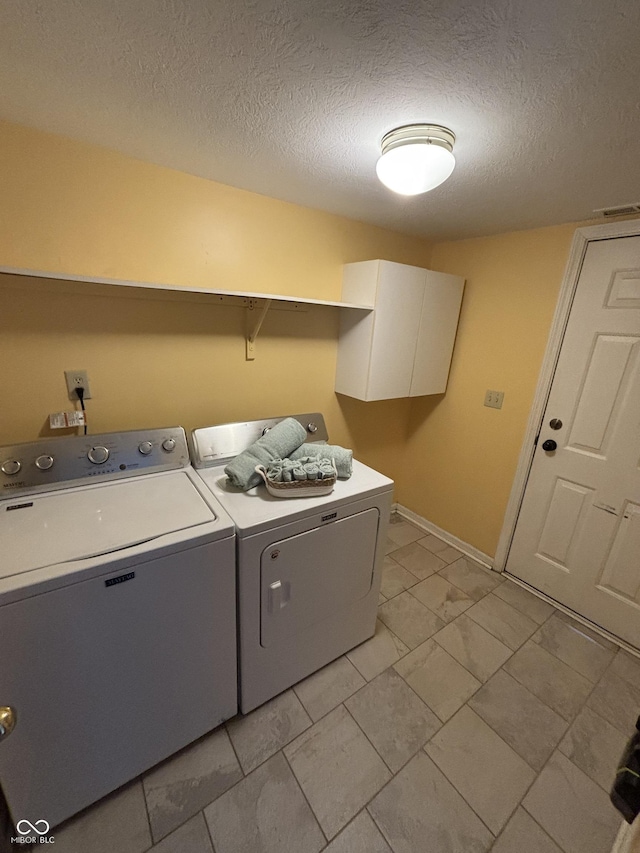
(57,463)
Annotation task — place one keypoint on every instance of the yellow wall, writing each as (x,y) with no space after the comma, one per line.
(460,455)
(70,207)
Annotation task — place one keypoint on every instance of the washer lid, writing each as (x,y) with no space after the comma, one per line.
(57,527)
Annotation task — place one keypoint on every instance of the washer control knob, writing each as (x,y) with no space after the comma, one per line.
(98,455)
(44,462)
(312,428)
(145,447)
(11,467)
(169,444)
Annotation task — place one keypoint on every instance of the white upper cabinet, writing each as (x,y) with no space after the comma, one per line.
(403,347)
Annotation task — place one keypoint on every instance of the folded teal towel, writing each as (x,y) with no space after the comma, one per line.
(285,471)
(278,443)
(341,456)
(306,468)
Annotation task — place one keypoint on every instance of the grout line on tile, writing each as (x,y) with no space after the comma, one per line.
(375,822)
(618,641)
(455,587)
(206,823)
(539,825)
(393,773)
(452,783)
(537,773)
(146,808)
(593,686)
(301,789)
(233,747)
(313,722)
(553,752)
(533,781)
(482,683)
(426,704)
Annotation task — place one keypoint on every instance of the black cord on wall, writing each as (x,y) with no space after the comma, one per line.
(80,393)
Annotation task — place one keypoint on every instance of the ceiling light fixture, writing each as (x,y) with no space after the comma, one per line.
(416,158)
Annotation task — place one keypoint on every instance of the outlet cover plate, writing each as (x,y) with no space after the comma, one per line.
(77,379)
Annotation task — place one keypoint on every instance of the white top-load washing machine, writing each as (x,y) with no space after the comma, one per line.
(308,567)
(117,615)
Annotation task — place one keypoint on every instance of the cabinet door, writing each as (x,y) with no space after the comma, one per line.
(397,319)
(437,333)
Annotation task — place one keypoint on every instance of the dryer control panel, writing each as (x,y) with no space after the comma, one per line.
(217,444)
(57,463)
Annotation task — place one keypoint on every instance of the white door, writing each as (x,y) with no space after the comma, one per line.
(577,538)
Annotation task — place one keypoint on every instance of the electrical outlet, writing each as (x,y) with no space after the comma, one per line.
(494,399)
(77,379)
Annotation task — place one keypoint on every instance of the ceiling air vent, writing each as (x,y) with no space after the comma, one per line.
(622,210)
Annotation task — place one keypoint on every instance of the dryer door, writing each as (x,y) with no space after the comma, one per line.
(312,575)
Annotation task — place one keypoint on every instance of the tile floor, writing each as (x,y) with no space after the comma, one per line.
(477,718)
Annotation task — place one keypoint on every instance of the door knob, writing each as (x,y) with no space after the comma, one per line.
(549,444)
(7,721)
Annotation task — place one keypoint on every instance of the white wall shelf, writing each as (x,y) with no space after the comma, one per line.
(245,296)
(255,303)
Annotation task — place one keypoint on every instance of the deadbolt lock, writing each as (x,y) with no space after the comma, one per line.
(8,720)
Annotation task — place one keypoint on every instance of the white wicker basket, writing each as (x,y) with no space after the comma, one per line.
(297,488)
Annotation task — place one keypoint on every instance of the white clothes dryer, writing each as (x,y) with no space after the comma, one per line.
(117,615)
(308,568)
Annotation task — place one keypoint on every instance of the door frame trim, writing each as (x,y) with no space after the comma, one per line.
(579,245)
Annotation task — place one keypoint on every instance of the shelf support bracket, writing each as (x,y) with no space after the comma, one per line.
(253,331)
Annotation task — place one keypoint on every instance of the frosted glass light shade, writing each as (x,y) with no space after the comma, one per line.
(416,158)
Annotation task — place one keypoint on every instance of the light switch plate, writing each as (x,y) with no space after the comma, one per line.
(494,399)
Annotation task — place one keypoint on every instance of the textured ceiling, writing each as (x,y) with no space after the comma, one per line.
(290,98)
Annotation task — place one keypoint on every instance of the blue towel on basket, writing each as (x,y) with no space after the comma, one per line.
(278,443)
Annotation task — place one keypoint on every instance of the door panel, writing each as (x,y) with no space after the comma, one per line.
(566,512)
(577,538)
(310,576)
(601,394)
(625,289)
(620,573)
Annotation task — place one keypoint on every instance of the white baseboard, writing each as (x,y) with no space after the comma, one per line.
(625,840)
(449,538)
